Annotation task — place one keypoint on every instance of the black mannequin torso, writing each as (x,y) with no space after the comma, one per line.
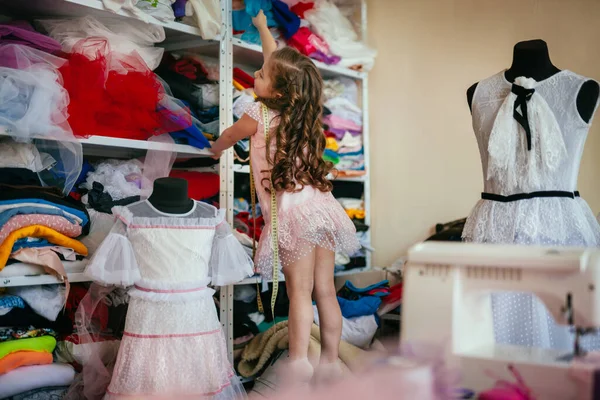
(531,59)
(170,195)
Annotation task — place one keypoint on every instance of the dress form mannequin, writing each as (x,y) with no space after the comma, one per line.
(532,60)
(170,195)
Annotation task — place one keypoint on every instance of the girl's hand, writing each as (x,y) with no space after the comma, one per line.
(260,21)
(214,155)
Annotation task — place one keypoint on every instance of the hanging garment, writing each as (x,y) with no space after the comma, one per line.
(531,140)
(171,320)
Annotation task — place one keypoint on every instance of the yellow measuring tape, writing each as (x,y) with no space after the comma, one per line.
(274,229)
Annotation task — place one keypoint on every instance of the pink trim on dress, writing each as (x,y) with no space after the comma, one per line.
(143,289)
(225,386)
(172,335)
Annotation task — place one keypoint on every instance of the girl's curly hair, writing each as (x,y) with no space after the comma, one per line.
(298,160)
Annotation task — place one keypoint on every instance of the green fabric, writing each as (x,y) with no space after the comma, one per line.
(264,326)
(43,343)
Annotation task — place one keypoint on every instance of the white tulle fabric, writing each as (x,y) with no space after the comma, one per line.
(33,108)
(173,343)
(134,36)
(328,22)
(114,261)
(558,136)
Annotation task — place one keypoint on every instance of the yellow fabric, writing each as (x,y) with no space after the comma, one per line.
(237,85)
(260,350)
(355,213)
(332,144)
(38,231)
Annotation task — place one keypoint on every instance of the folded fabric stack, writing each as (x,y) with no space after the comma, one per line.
(39,327)
(317,29)
(38,225)
(355,210)
(343,127)
(205,14)
(30,321)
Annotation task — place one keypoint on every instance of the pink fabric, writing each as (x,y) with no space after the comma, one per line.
(306,219)
(384,383)
(171,335)
(134,372)
(143,289)
(46,258)
(56,222)
(340,123)
(95,376)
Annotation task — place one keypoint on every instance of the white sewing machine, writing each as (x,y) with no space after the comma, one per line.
(447,299)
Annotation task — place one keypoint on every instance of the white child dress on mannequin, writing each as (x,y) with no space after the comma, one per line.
(531,138)
(173,344)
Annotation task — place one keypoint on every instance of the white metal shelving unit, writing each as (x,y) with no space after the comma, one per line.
(230,51)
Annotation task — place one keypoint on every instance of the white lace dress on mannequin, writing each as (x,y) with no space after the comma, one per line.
(530,189)
(173,344)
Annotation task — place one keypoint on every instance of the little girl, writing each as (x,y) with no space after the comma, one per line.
(311,224)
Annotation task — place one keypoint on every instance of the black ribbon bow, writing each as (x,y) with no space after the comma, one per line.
(523,96)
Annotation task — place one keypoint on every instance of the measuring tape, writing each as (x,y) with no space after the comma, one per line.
(274,229)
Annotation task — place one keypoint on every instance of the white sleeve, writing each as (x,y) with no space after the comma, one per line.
(114,261)
(229,262)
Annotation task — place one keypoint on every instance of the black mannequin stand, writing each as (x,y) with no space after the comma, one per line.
(531,59)
(170,195)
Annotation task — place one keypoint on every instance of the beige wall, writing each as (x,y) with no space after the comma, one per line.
(425,165)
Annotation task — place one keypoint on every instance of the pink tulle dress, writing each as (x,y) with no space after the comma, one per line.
(173,344)
(305,219)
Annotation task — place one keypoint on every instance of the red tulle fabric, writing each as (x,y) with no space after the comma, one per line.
(117,95)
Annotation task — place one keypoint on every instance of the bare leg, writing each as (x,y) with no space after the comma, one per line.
(299,283)
(330,316)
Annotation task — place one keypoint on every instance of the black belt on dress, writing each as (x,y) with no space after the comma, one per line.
(526,196)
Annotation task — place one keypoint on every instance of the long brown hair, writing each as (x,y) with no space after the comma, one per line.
(298,160)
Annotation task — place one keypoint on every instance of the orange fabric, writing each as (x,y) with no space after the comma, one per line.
(23,358)
(38,231)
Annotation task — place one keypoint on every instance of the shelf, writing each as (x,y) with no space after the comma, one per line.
(120,148)
(257,279)
(245,169)
(23,274)
(41,280)
(175,31)
(250,55)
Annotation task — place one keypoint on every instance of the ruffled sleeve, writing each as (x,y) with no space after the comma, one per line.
(114,261)
(229,262)
(253,111)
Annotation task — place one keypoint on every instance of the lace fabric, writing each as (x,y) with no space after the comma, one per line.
(317,221)
(558,135)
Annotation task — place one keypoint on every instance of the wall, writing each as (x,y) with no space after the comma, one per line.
(425,164)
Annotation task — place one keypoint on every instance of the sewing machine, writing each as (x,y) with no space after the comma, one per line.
(447,300)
